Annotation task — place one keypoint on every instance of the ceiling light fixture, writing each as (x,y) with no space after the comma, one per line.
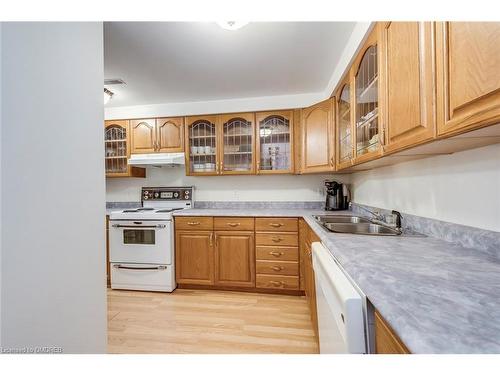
(107,95)
(231,25)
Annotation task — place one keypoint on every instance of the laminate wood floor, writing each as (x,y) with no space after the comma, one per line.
(201,321)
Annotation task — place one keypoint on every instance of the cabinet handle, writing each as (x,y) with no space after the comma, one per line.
(210,242)
(276,239)
(331,162)
(221,168)
(216,243)
(233,224)
(193,223)
(276,225)
(276,253)
(277,268)
(277,283)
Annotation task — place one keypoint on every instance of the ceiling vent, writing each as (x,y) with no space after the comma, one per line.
(114,81)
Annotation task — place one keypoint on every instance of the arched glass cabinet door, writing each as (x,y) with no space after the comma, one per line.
(366,103)
(275,142)
(115,147)
(202,145)
(238,143)
(344,126)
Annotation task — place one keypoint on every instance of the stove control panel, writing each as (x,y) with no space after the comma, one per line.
(167,193)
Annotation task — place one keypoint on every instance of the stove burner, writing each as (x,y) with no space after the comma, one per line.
(169,209)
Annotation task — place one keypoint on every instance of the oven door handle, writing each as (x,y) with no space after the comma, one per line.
(119,266)
(138,226)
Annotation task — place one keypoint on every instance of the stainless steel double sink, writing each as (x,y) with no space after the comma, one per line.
(354,225)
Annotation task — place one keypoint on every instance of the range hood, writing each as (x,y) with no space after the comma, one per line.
(158,160)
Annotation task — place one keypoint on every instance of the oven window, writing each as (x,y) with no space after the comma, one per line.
(139,236)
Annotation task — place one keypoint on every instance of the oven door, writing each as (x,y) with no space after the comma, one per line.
(145,241)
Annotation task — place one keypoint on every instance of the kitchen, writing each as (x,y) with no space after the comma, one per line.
(242,194)
(232,230)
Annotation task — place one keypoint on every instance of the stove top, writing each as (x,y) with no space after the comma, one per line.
(158,204)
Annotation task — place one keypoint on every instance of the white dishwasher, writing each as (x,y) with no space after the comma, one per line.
(342,307)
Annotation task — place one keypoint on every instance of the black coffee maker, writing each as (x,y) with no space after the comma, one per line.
(337,196)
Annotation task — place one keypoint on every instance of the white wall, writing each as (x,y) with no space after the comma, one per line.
(53,247)
(461,188)
(223,188)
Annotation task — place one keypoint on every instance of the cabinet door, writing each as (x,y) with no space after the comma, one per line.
(142,136)
(468,75)
(365,83)
(407,81)
(318,138)
(344,125)
(238,143)
(275,147)
(170,134)
(202,145)
(194,257)
(234,259)
(117,150)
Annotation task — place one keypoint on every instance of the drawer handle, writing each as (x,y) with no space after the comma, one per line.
(277,268)
(276,253)
(276,239)
(233,224)
(193,223)
(276,225)
(278,283)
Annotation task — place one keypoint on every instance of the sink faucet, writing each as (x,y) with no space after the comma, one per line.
(375,214)
(392,220)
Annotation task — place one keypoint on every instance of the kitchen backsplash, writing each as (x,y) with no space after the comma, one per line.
(274,188)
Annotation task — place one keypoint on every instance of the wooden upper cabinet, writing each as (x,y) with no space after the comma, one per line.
(408,83)
(237,154)
(143,136)
(194,257)
(365,83)
(202,145)
(117,150)
(318,133)
(234,259)
(170,134)
(275,142)
(344,139)
(468,75)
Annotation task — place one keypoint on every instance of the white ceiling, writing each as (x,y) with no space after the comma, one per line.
(174,62)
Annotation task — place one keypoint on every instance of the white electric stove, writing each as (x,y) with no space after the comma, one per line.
(141,241)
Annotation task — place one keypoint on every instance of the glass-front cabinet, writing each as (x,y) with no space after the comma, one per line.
(344,126)
(202,145)
(238,144)
(117,150)
(365,82)
(274,142)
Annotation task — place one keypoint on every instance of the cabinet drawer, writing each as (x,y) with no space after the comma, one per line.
(276,224)
(234,223)
(277,239)
(194,222)
(277,282)
(270,267)
(277,253)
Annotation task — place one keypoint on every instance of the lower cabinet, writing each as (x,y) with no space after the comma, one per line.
(386,340)
(194,257)
(234,259)
(238,252)
(309,237)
